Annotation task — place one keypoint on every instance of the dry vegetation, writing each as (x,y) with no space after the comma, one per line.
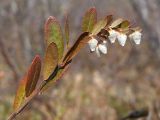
(93,89)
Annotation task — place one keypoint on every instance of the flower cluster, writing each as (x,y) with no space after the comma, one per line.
(121,37)
(100,46)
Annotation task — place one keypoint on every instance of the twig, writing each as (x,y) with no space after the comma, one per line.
(37,91)
(28,100)
(137,114)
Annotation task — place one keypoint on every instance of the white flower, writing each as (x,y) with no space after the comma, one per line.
(136,37)
(101,49)
(122,39)
(98,52)
(112,36)
(93,44)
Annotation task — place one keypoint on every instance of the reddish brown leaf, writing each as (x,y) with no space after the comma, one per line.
(33,75)
(79,44)
(53,33)
(89,20)
(50,60)
(109,18)
(20,94)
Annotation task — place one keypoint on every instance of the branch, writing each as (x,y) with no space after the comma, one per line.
(137,114)
(38,91)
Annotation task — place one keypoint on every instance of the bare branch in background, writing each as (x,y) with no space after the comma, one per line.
(8,60)
(136,114)
(144,10)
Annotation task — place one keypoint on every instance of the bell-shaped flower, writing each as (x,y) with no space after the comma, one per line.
(93,44)
(112,36)
(101,49)
(122,39)
(136,37)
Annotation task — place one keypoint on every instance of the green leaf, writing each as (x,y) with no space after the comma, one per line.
(116,22)
(33,75)
(53,33)
(125,24)
(79,44)
(99,26)
(50,60)
(58,76)
(20,94)
(73,51)
(89,20)
(67,31)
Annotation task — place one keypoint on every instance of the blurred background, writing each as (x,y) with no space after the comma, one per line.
(105,88)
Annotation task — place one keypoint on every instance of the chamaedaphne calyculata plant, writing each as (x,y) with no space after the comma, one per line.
(59,53)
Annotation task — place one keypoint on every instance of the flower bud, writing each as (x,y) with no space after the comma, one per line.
(122,39)
(136,37)
(98,52)
(112,36)
(93,44)
(102,48)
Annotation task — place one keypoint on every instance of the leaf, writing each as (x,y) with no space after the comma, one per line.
(58,76)
(99,26)
(50,60)
(109,18)
(20,94)
(67,31)
(53,33)
(124,24)
(33,75)
(89,20)
(116,22)
(82,40)
(79,44)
